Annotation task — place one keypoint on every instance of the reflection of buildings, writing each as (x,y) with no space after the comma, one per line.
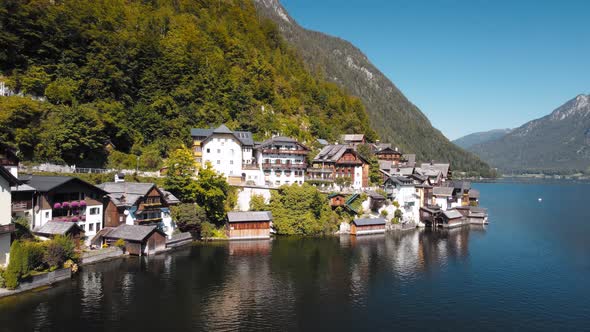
(249,248)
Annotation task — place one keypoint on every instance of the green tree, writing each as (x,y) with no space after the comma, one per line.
(211,191)
(180,173)
(257,203)
(189,217)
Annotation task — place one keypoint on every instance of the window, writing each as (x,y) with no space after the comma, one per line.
(218,150)
(94,211)
(219,162)
(208,150)
(121,218)
(231,162)
(47,215)
(91,227)
(98,227)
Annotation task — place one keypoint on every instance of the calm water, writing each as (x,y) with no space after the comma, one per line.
(528,270)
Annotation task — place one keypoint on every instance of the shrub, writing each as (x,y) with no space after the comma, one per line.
(207,230)
(396,204)
(2,281)
(384,213)
(58,250)
(120,243)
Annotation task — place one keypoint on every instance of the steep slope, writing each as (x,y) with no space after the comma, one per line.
(137,75)
(391,114)
(470,140)
(558,142)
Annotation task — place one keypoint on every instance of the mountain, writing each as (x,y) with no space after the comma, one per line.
(105,81)
(391,114)
(470,140)
(558,142)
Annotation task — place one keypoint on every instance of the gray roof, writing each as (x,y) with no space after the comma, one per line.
(352,137)
(473,193)
(406,171)
(441,167)
(461,185)
(388,150)
(369,221)
(323,141)
(126,193)
(248,216)
(385,164)
(201,132)
(452,214)
(223,129)
(132,232)
(333,152)
(245,137)
(169,197)
(12,181)
(374,195)
(400,180)
(281,139)
(56,228)
(44,183)
(411,159)
(442,191)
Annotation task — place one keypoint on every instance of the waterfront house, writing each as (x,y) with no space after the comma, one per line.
(451,218)
(53,228)
(367,226)
(337,199)
(139,240)
(404,191)
(248,225)
(283,161)
(339,161)
(353,139)
(430,215)
(133,203)
(442,196)
(41,199)
(7,180)
(461,191)
(473,197)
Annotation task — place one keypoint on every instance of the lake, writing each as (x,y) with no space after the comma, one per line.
(528,270)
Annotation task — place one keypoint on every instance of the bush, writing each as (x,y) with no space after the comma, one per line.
(120,243)
(384,213)
(58,250)
(396,204)
(207,230)
(2,280)
(188,217)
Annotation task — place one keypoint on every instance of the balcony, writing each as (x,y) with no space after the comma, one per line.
(285,151)
(318,180)
(284,166)
(21,205)
(249,166)
(320,170)
(4,229)
(149,220)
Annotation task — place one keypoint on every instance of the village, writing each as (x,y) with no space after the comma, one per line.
(136,217)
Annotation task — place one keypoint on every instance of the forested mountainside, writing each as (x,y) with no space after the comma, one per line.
(556,143)
(391,114)
(104,81)
(470,140)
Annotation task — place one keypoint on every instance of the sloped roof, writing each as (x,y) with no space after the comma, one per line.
(223,129)
(352,137)
(441,167)
(245,137)
(452,214)
(132,232)
(401,180)
(169,197)
(388,150)
(473,193)
(375,195)
(56,228)
(201,132)
(246,216)
(323,141)
(406,171)
(126,193)
(442,191)
(461,185)
(12,181)
(281,139)
(411,159)
(385,164)
(369,221)
(44,183)
(333,152)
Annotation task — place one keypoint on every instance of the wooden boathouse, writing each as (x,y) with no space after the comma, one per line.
(367,226)
(248,225)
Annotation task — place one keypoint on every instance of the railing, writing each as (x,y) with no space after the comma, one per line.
(6,228)
(250,166)
(150,220)
(285,151)
(21,205)
(311,179)
(319,170)
(283,166)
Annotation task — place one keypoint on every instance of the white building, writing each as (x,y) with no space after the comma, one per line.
(59,198)
(403,190)
(442,196)
(6,228)
(283,161)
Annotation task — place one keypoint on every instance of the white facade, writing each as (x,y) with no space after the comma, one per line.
(442,202)
(5,218)
(358,178)
(409,203)
(224,152)
(283,161)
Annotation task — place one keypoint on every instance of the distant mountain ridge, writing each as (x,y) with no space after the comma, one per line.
(481,137)
(558,142)
(391,114)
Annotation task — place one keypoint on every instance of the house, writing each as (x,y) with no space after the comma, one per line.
(443,168)
(442,197)
(353,139)
(430,215)
(7,180)
(461,191)
(367,226)
(283,160)
(131,203)
(139,240)
(41,199)
(404,191)
(474,197)
(409,160)
(249,225)
(376,200)
(339,161)
(52,228)
(451,218)
(337,199)
(228,151)
(390,154)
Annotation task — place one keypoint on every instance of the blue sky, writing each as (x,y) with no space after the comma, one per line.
(469,65)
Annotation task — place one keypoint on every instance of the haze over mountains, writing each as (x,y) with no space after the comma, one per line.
(391,114)
(481,137)
(558,142)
